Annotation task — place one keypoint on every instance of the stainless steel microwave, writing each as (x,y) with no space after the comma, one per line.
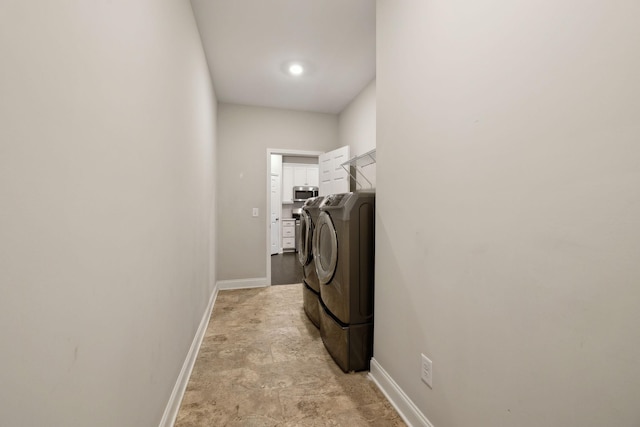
(300,194)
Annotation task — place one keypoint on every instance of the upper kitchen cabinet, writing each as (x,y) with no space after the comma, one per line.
(305,175)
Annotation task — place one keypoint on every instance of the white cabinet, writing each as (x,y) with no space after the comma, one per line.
(300,176)
(287,183)
(305,175)
(288,234)
(313,175)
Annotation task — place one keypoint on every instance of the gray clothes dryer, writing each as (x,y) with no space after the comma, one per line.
(311,286)
(343,250)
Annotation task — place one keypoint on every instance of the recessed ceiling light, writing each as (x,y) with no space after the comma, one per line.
(296,69)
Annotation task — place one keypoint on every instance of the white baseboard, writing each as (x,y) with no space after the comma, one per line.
(171,410)
(405,407)
(259,282)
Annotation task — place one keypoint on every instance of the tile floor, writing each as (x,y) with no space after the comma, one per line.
(262,363)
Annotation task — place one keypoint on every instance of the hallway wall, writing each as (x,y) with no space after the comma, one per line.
(244,134)
(357,122)
(107,190)
(357,129)
(515,266)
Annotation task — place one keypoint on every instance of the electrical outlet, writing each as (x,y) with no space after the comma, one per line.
(427,371)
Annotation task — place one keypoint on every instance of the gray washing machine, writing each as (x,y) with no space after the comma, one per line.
(343,251)
(311,286)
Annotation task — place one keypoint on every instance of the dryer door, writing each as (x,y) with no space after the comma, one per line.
(325,248)
(304,239)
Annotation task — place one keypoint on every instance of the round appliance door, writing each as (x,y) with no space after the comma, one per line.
(304,239)
(325,248)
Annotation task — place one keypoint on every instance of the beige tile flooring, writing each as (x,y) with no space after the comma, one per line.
(262,363)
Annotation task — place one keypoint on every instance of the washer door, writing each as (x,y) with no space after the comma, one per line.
(325,248)
(304,239)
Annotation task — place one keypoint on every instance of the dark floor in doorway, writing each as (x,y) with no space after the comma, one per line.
(285,269)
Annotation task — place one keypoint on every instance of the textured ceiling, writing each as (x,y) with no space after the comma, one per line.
(248,42)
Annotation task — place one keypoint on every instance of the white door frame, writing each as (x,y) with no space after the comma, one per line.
(284,152)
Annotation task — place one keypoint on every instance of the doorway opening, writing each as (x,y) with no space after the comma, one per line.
(285,168)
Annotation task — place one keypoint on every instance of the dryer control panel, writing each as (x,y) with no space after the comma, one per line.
(335,199)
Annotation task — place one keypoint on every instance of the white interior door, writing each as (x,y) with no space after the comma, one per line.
(276,246)
(340,175)
(325,164)
(334,178)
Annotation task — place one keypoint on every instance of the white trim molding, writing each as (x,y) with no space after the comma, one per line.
(171,410)
(259,282)
(394,394)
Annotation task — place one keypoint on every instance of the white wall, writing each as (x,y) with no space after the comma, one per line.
(244,134)
(357,129)
(106,208)
(515,266)
(357,122)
